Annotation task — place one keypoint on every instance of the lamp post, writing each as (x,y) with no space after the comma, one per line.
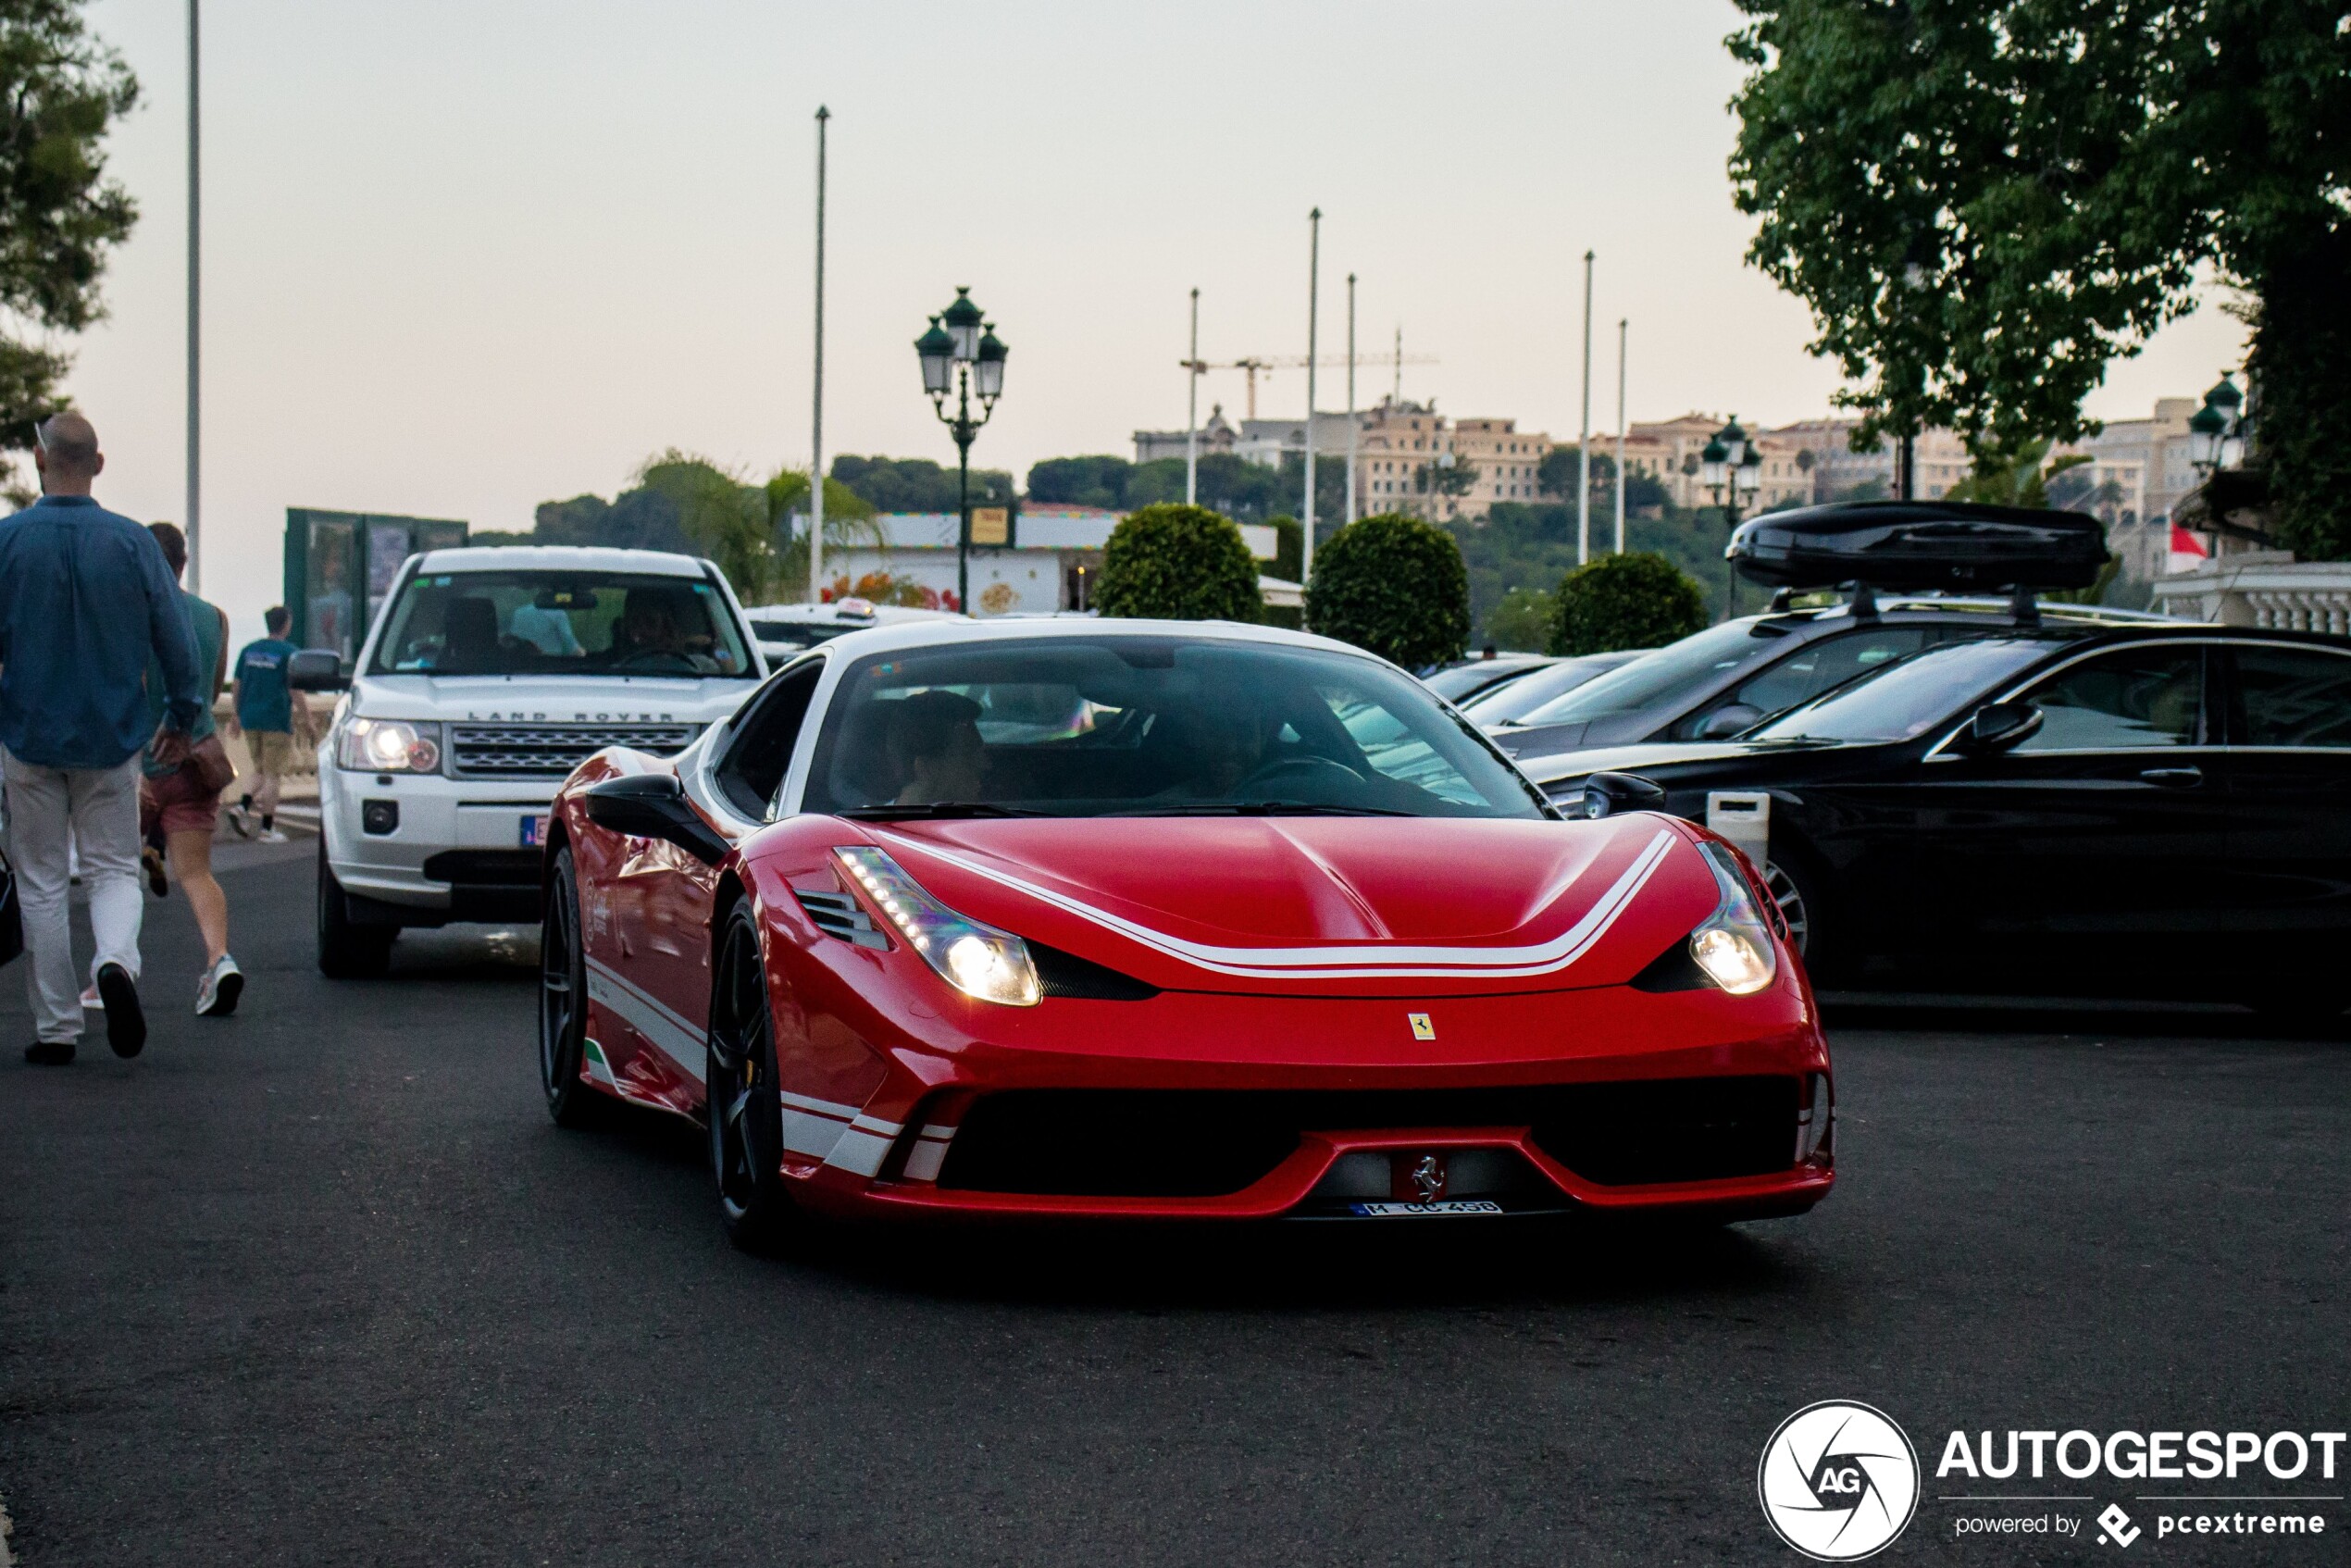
(1731,467)
(2216,431)
(961,348)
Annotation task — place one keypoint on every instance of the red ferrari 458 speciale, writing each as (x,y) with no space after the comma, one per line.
(1166,920)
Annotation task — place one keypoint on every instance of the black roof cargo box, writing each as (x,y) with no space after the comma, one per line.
(1909,545)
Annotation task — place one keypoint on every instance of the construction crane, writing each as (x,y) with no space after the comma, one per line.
(1257,365)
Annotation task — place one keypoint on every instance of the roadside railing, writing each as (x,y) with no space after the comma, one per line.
(2262,588)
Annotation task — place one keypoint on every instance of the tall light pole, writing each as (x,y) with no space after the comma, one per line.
(1583,440)
(816,405)
(1314,321)
(961,347)
(1192,369)
(1352,422)
(195,279)
(1732,469)
(1622,329)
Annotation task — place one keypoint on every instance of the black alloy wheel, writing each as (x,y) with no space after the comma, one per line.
(563,1004)
(347,951)
(746,1126)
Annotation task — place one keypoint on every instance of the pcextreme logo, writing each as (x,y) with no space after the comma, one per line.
(1838,1481)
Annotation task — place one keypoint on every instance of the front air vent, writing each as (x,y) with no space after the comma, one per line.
(837,915)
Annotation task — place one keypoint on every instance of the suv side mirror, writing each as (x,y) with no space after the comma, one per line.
(1729,720)
(1606,794)
(653,805)
(316,669)
(1996,727)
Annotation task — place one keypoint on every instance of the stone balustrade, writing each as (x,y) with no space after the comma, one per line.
(2262,588)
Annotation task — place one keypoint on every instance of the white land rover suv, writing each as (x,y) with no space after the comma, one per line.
(489,675)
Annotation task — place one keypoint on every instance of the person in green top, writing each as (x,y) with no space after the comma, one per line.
(175,803)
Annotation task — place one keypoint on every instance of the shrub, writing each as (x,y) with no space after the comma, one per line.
(1179,563)
(1632,600)
(1522,622)
(1394,585)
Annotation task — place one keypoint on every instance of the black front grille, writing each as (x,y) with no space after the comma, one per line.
(1199,1143)
(551,750)
(505,868)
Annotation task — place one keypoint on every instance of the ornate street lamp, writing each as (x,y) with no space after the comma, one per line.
(2216,431)
(962,341)
(1732,469)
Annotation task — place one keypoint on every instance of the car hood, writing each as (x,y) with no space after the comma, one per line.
(572,699)
(1367,905)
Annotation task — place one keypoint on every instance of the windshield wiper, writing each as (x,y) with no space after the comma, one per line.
(937,811)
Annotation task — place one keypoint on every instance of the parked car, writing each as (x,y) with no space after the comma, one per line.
(2085,808)
(1132,920)
(1499,710)
(487,676)
(785,630)
(1462,683)
(1718,682)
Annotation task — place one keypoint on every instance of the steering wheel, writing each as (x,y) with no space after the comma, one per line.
(1299,767)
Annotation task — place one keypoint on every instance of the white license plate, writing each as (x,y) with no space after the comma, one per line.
(534,831)
(1443,1209)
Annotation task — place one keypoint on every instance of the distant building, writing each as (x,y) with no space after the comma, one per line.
(1218,435)
(1267,442)
(1054,558)
(1400,439)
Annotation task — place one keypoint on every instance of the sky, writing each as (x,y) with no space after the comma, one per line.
(464,257)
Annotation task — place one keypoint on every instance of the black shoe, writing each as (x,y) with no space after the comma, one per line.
(152,859)
(50,1054)
(126,1025)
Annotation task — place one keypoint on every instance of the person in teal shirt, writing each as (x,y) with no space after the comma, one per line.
(265,714)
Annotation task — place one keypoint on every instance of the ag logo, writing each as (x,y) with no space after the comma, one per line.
(1838,1481)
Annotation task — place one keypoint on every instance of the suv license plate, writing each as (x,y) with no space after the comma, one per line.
(534,831)
(1442,1208)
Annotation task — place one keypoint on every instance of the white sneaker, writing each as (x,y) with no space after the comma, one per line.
(240,822)
(270,836)
(216,993)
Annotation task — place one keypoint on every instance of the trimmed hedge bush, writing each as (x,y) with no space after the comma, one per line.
(1173,562)
(1394,585)
(1631,600)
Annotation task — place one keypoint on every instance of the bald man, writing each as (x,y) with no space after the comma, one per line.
(85,599)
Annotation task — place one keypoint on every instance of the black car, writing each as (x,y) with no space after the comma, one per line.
(2154,809)
(1472,678)
(1723,680)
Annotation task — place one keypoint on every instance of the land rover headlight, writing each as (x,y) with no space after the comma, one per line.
(1733,947)
(977,960)
(388,745)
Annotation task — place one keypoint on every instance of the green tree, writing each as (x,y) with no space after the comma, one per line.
(917,484)
(1289,547)
(2014,479)
(1630,601)
(1175,562)
(1522,622)
(1080,482)
(1986,204)
(60,217)
(1394,585)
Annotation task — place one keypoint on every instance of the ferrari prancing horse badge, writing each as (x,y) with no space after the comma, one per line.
(1422,1027)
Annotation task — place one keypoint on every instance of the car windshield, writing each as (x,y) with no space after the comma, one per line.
(1514,701)
(1113,726)
(1463,680)
(561,623)
(1904,700)
(1648,680)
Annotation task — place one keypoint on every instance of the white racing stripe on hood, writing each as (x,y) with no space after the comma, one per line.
(1387,960)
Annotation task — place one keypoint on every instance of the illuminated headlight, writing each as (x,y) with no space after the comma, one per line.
(388,745)
(1733,947)
(977,960)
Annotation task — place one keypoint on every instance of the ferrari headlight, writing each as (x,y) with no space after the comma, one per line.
(1733,946)
(388,745)
(977,960)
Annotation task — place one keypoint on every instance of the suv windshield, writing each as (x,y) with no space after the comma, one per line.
(1118,726)
(1674,667)
(1900,702)
(561,623)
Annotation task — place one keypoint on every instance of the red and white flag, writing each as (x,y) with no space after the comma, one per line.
(2187,551)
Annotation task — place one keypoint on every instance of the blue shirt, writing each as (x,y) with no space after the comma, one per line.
(264,701)
(85,598)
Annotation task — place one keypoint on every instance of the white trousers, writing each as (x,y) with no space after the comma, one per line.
(51,810)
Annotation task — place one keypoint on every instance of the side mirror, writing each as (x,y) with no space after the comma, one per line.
(1996,727)
(316,669)
(1609,794)
(1730,719)
(653,805)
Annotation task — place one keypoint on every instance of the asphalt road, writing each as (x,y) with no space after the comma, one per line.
(323,1285)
